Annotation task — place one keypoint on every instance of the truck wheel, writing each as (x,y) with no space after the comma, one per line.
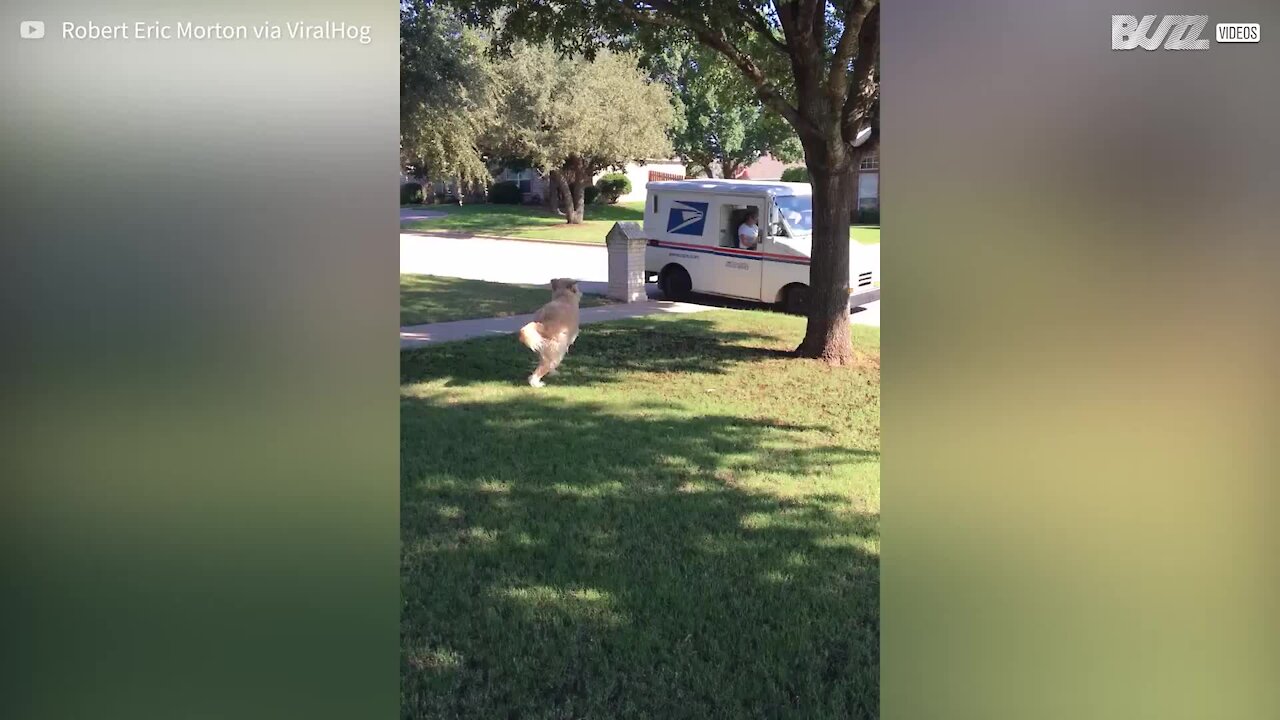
(796,301)
(676,284)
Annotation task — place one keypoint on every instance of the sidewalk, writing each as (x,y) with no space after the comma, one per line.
(416,336)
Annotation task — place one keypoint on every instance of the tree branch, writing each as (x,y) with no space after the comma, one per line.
(665,14)
(758,21)
(864,87)
(855,16)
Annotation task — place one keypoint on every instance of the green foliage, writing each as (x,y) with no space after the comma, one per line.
(721,120)
(796,174)
(590,193)
(446,95)
(613,186)
(411,194)
(602,112)
(505,193)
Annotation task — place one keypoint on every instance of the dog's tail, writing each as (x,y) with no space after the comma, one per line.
(530,337)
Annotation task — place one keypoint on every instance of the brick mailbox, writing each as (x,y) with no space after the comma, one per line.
(626,243)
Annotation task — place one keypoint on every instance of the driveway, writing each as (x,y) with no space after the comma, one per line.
(535,263)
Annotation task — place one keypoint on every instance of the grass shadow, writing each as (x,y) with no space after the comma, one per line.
(567,560)
(602,353)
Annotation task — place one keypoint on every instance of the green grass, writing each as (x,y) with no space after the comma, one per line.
(865,234)
(535,223)
(430,299)
(683,524)
(530,222)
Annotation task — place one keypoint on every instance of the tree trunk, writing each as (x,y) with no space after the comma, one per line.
(571,195)
(573,177)
(555,193)
(826,336)
(579,202)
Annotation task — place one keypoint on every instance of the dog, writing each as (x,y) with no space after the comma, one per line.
(554,328)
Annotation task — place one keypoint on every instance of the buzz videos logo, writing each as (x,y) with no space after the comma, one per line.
(1176,32)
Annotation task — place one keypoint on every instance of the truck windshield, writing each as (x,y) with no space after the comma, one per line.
(797,211)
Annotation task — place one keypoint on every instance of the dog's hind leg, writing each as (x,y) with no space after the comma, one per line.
(545,367)
(557,356)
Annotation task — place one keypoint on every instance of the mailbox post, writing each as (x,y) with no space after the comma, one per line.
(626,243)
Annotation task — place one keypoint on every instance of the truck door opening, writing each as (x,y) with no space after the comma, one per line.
(734,215)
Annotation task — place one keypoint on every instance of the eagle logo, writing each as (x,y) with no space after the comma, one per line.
(687,218)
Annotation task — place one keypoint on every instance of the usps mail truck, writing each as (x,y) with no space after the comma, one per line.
(692,227)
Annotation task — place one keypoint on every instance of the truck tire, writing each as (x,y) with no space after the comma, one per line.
(675,283)
(796,300)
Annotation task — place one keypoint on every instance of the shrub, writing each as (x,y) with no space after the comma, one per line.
(410,194)
(505,193)
(590,193)
(613,186)
(796,174)
(869,216)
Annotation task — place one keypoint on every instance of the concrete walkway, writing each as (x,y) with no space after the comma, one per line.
(416,336)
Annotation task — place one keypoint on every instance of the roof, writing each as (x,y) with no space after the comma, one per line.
(765,168)
(732,187)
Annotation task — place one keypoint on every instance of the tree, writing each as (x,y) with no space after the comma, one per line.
(814,62)
(573,117)
(446,96)
(724,125)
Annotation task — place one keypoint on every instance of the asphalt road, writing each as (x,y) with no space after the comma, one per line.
(536,263)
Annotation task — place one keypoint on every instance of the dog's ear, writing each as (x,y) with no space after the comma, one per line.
(555,284)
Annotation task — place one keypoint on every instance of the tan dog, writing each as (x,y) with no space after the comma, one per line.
(553,329)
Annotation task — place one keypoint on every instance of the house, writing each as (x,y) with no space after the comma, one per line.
(533,185)
(769,168)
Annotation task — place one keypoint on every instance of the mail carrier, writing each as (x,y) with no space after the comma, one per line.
(692,227)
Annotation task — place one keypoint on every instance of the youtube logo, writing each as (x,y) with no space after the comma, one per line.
(31,29)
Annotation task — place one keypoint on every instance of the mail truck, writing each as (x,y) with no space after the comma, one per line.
(692,230)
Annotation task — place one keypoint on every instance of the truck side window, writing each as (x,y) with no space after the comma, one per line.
(655,204)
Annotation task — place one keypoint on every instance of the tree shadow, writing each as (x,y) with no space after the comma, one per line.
(602,354)
(561,560)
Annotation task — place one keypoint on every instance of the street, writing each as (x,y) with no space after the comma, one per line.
(536,263)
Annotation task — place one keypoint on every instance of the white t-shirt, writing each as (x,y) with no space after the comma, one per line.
(752,232)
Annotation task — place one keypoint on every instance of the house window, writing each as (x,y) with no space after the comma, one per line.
(524,180)
(870,162)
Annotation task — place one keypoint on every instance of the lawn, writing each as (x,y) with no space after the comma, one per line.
(531,222)
(683,524)
(535,223)
(865,234)
(428,299)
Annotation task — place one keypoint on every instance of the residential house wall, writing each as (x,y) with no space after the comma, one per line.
(769,168)
(531,184)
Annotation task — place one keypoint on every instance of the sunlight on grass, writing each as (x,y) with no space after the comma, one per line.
(684,522)
(529,222)
(865,234)
(432,299)
(573,604)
